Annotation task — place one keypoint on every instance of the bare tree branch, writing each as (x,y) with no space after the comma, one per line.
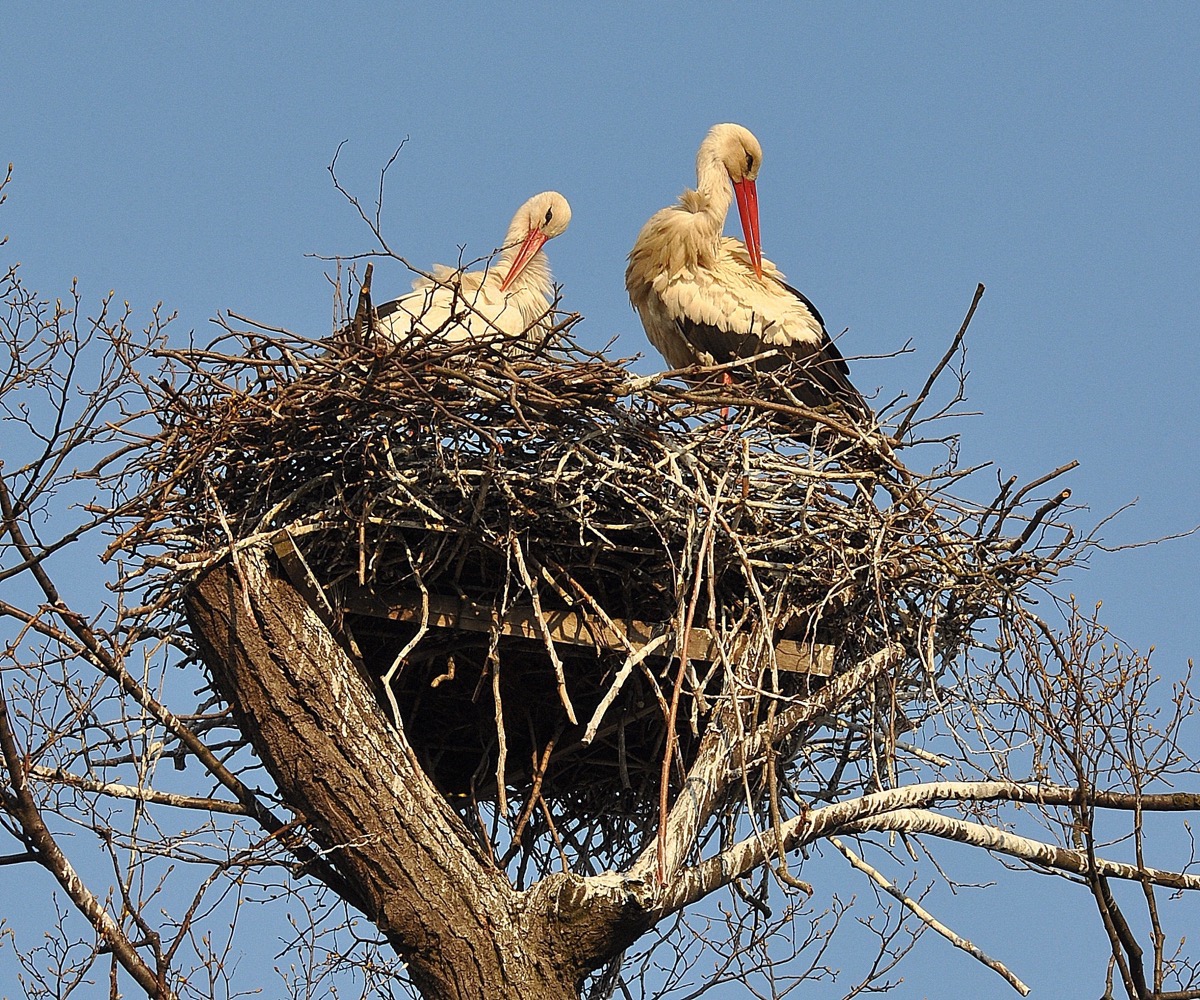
(928,918)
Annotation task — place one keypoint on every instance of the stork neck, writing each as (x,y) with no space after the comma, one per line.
(713,185)
(535,275)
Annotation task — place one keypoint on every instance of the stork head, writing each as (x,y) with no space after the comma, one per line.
(741,155)
(541,218)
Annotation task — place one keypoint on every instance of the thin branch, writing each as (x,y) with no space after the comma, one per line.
(51,857)
(174,799)
(941,365)
(930,920)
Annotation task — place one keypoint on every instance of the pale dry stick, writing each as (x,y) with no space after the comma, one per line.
(397,484)
(262,527)
(234,556)
(402,656)
(493,663)
(664,792)
(362,542)
(929,919)
(631,661)
(633,657)
(705,566)
(421,632)
(783,872)
(539,616)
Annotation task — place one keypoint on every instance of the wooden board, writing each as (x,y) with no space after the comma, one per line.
(571,628)
(568,627)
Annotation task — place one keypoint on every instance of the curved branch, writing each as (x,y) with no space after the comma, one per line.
(723,757)
(1034,852)
(875,812)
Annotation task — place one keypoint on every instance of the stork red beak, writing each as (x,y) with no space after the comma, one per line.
(747,200)
(533,243)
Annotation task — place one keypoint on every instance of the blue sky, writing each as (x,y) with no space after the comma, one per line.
(1047,150)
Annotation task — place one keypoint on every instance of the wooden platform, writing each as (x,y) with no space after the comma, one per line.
(569,627)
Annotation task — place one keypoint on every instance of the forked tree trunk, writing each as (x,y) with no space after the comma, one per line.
(350,775)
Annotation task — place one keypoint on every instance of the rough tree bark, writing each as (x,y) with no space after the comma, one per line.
(426,882)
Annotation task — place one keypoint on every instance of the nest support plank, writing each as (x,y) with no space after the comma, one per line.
(570,627)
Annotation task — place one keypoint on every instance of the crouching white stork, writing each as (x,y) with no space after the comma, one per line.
(705,298)
(509,300)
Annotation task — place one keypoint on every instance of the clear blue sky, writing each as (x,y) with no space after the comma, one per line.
(1050,151)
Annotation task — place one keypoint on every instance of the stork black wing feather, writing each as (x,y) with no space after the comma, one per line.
(828,367)
(385,310)
(826,376)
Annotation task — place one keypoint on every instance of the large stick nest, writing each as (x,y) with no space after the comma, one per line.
(538,482)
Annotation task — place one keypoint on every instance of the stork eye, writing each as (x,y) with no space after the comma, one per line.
(749,162)
(549,216)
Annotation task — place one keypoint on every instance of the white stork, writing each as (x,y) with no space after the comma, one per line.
(509,300)
(705,298)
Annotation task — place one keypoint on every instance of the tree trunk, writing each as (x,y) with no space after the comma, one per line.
(432,890)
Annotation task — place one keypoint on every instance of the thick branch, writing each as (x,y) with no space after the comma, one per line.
(722,758)
(432,890)
(878,812)
(1023,848)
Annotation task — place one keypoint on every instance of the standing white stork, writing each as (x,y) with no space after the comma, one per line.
(509,300)
(705,298)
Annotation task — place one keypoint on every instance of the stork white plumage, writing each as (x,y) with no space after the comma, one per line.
(705,298)
(509,300)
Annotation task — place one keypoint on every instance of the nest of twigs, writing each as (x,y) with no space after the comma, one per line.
(554,569)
